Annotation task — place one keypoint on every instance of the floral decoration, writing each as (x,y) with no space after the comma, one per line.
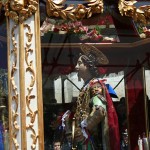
(144,31)
(92,33)
(76,11)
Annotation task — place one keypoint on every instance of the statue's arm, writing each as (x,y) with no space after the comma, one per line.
(96,116)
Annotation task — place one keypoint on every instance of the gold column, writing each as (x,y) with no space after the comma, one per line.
(24,75)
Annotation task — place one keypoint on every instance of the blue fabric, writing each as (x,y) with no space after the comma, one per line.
(1,137)
(111,91)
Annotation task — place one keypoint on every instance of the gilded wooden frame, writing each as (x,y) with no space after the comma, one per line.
(57,9)
(19,11)
(139,14)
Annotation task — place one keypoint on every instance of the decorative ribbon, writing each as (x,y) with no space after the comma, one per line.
(83,125)
(63,118)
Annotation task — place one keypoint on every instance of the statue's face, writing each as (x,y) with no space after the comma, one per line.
(81,68)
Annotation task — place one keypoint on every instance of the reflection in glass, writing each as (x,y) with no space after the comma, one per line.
(4,124)
(61,87)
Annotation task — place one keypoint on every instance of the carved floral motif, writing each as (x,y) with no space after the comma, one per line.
(14,90)
(29,97)
(23,9)
(19,10)
(57,9)
(140,14)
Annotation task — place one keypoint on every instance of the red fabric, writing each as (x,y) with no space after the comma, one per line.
(102,70)
(136,108)
(112,122)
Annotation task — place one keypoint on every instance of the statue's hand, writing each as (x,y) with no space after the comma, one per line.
(97,115)
(79,135)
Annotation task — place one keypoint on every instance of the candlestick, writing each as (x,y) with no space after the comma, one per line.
(140,143)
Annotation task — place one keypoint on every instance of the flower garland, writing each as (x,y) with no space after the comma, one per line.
(92,33)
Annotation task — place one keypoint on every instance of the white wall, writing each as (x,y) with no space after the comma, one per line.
(113,79)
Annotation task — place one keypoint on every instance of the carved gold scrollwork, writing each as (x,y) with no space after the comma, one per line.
(57,9)
(20,10)
(14,90)
(32,113)
(140,14)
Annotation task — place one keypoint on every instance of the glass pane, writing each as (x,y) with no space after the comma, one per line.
(4,125)
(61,88)
(119,39)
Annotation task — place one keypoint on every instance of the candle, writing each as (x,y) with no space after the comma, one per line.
(145,142)
(140,143)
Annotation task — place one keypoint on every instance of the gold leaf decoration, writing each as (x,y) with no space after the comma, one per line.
(21,10)
(63,15)
(140,14)
(30,96)
(78,12)
(14,90)
(70,7)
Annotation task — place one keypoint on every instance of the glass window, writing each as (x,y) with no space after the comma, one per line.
(4,124)
(117,92)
